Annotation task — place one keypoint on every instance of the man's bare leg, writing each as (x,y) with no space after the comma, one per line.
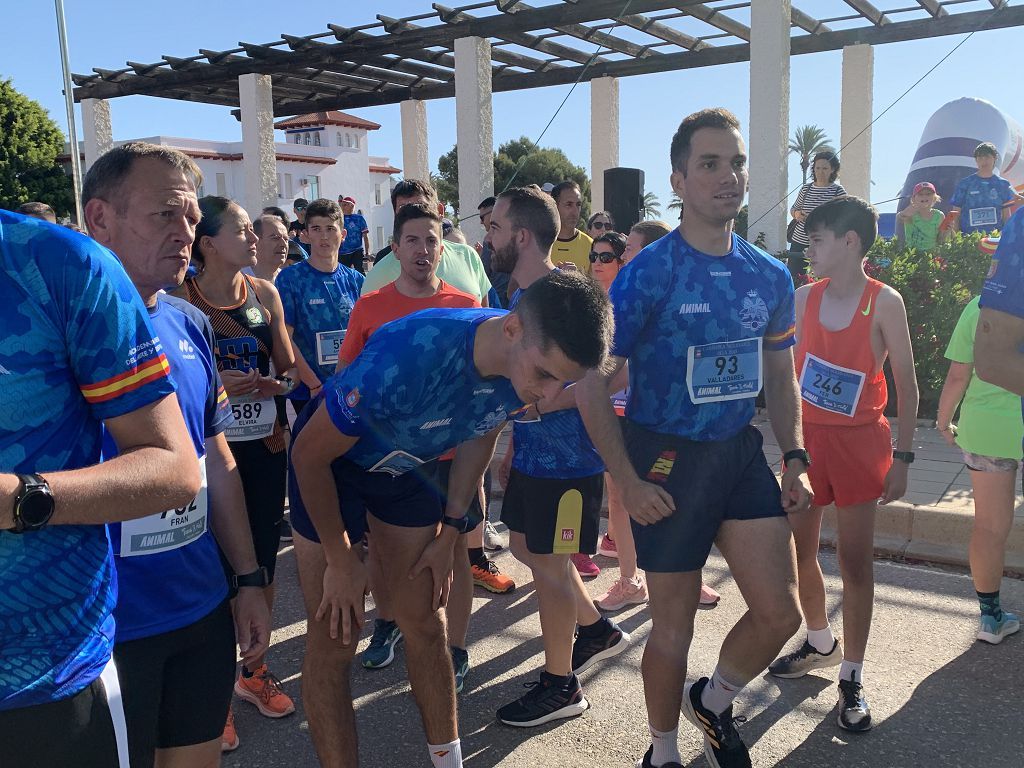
(856,565)
(460,599)
(673,603)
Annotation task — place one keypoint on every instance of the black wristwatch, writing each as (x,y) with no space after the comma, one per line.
(33,507)
(258,578)
(796,453)
(905,456)
(460,524)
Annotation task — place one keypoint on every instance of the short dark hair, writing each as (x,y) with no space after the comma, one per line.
(715,117)
(593,216)
(616,240)
(107,174)
(323,208)
(273,210)
(300,202)
(411,188)
(651,230)
(487,203)
(257,225)
(530,209)
(986,148)
(571,311)
(411,212)
(846,214)
(833,160)
(213,208)
(558,189)
(36,209)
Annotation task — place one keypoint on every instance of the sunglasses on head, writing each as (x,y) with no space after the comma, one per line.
(604,258)
(601,225)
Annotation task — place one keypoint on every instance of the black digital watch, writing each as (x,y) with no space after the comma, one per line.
(34,505)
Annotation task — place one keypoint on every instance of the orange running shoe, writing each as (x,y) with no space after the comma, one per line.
(229,738)
(491,579)
(264,690)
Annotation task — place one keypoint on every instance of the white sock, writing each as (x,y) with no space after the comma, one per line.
(851,670)
(719,693)
(666,746)
(446,755)
(822,639)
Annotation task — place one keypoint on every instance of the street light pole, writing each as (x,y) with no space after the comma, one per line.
(76,165)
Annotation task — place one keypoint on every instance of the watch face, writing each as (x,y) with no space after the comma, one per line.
(35,508)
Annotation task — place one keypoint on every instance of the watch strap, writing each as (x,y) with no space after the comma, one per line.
(30,482)
(461,524)
(904,456)
(258,578)
(796,453)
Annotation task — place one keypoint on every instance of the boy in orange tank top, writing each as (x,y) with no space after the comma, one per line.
(847,325)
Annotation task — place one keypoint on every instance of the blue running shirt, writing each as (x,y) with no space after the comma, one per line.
(168,567)
(415,392)
(981,202)
(557,446)
(77,347)
(692,326)
(317,306)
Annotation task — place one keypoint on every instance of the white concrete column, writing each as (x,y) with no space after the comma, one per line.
(604,135)
(855,115)
(769,121)
(99,137)
(258,156)
(415,154)
(474,129)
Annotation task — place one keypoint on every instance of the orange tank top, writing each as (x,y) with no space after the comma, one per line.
(835,370)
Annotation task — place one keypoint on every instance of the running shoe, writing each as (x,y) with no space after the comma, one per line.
(805,659)
(493,542)
(286,530)
(545,701)
(723,746)
(264,690)
(460,663)
(646,762)
(587,651)
(708,597)
(381,650)
(622,593)
(994,631)
(587,567)
(492,579)
(229,736)
(854,712)
(607,547)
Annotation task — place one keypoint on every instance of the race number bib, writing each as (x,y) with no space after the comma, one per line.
(982,217)
(725,370)
(831,387)
(168,530)
(253,418)
(396,463)
(328,343)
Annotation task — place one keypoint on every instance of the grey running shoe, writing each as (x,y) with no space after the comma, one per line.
(492,539)
(805,659)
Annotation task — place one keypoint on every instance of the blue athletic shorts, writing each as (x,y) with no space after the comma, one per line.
(709,481)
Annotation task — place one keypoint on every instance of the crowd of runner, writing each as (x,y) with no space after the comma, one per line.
(165,406)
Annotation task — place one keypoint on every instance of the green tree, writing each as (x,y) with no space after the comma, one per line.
(29,145)
(807,141)
(652,207)
(516,163)
(675,204)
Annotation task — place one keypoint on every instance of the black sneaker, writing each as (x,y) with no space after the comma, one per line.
(546,701)
(805,659)
(854,712)
(286,530)
(723,746)
(646,762)
(587,651)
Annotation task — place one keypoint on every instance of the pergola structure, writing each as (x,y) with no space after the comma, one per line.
(504,45)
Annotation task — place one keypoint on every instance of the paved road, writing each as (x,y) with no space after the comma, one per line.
(939,698)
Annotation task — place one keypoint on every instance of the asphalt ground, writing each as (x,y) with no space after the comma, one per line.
(938,697)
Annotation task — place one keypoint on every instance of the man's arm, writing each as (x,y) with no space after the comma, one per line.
(953,390)
(997,350)
(782,397)
(892,318)
(366,242)
(156,470)
(307,375)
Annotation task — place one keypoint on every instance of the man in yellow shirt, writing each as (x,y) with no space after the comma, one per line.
(571,244)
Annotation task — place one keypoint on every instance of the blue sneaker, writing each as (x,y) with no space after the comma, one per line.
(994,631)
(460,663)
(381,650)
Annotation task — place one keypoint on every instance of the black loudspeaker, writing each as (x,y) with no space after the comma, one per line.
(624,196)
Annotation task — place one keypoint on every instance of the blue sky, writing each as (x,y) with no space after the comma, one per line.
(106,33)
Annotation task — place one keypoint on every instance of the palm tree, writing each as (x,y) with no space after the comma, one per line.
(807,141)
(652,208)
(675,204)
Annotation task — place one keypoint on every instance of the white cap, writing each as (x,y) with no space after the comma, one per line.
(547,187)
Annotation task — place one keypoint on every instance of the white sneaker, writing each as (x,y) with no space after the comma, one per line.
(492,539)
(622,593)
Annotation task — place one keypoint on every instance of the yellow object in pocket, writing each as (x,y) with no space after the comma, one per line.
(568,524)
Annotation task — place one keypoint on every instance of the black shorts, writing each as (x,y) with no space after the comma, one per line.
(264,476)
(353,260)
(177,685)
(475,512)
(558,517)
(709,481)
(86,730)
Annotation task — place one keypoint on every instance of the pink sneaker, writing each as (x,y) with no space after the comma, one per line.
(708,597)
(622,593)
(587,567)
(607,547)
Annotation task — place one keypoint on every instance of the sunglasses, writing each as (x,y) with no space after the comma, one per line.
(604,258)
(601,225)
